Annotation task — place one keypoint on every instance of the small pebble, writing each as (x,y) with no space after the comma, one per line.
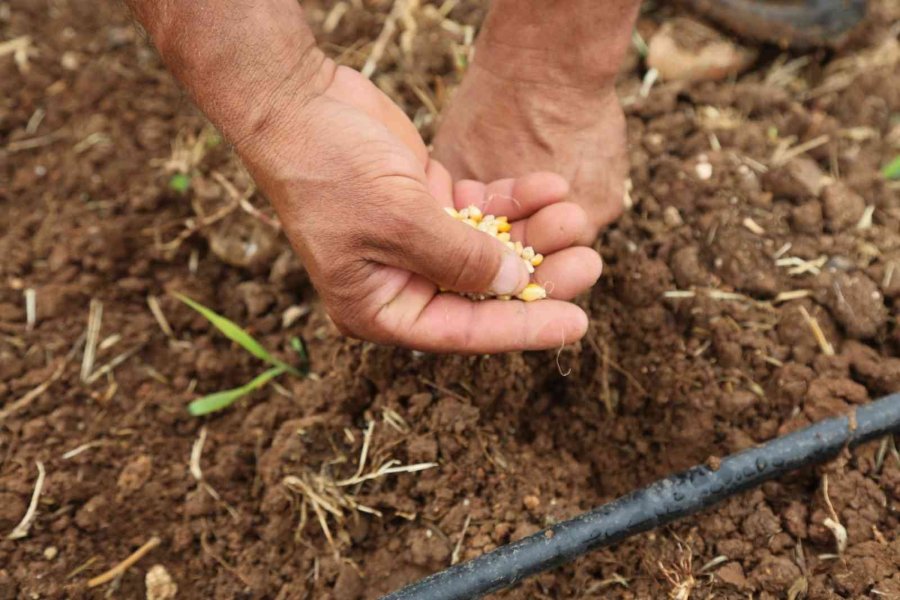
(159,584)
(50,552)
(704,170)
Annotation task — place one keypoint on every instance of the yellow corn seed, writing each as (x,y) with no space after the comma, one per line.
(500,228)
(532,292)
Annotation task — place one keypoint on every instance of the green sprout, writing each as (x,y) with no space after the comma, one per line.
(219,400)
(891,171)
(640,46)
(180,182)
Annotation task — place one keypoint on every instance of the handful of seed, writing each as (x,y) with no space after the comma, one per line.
(499,228)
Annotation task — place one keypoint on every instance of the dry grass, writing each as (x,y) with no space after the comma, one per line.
(333,501)
(126,564)
(680,575)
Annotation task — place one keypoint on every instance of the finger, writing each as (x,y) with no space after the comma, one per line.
(552,228)
(570,272)
(467,192)
(450,323)
(426,240)
(440,184)
(520,198)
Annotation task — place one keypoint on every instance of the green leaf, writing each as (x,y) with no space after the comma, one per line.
(637,40)
(237,335)
(220,400)
(892,169)
(300,348)
(213,140)
(180,182)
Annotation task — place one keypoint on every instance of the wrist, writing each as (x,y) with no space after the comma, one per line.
(570,43)
(241,61)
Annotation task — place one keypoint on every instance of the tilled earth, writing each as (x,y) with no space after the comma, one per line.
(758,214)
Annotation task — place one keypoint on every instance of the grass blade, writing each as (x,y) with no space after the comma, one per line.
(891,170)
(220,400)
(300,348)
(235,333)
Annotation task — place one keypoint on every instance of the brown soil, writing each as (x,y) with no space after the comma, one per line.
(661,383)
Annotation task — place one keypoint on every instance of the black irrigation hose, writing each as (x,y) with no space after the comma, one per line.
(656,505)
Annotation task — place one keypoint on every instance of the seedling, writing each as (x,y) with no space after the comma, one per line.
(891,170)
(180,182)
(219,400)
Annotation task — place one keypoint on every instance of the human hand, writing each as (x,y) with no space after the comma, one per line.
(362,204)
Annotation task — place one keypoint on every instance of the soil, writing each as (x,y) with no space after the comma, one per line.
(92,130)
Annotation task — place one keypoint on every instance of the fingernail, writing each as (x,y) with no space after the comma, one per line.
(511,277)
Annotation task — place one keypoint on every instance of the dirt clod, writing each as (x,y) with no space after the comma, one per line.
(857,304)
(843,207)
(686,50)
(798,179)
(159,584)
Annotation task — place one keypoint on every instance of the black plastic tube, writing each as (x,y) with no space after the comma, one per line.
(658,504)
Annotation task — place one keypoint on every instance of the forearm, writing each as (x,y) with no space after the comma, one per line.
(240,60)
(568,42)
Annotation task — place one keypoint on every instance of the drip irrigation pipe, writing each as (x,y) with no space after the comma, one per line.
(660,503)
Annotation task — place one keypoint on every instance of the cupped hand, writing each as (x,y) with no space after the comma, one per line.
(363,205)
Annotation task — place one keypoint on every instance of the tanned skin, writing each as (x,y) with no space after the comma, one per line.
(359,196)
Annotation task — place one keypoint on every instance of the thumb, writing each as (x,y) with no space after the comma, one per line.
(458,257)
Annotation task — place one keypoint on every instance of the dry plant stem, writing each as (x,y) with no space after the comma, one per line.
(457,550)
(818,334)
(35,393)
(833,523)
(125,564)
(24,526)
(197,474)
(156,310)
(783,155)
(115,362)
(95,318)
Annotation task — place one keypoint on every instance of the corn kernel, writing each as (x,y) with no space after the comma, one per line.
(451,211)
(532,292)
(500,228)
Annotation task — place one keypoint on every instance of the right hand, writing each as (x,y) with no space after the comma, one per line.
(362,204)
